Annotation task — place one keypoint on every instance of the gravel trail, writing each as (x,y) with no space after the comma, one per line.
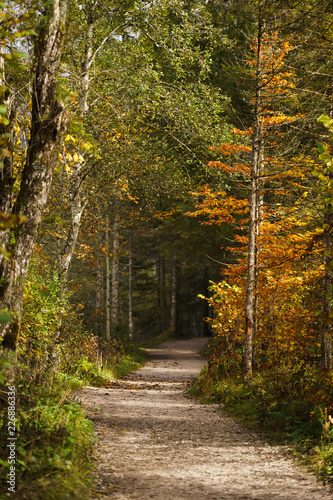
(156,443)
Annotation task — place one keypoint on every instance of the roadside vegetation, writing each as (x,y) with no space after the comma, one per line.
(56,357)
(289,402)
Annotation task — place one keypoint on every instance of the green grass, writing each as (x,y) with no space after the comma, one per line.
(133,360)
(163,337)
(130,360)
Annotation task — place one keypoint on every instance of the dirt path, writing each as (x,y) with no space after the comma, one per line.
(155,443)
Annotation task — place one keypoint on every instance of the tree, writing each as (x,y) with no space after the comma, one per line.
(268,164)
(49,123)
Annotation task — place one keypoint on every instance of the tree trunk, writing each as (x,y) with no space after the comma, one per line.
(86,64)
(130,288)
(107,278)
(205,305)
(259,205)
(6,170)
(326,327)
(77,207)
(174,294)
(252,233)
(49,123)
(115,266)
(99,283)
(161,293)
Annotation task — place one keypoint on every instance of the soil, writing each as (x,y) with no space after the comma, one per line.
(153,442)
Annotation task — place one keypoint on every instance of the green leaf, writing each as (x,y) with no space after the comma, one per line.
(4,317)
(321,148)
(323,119)
(324,157)
(4,120)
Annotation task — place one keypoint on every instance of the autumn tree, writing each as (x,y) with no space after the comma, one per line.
(262,160)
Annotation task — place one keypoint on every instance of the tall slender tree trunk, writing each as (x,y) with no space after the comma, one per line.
(77,205)
(161,293)
(253,214)
(174,294)
(6,133)
(99,283)
(130,288)
(77,208)
(86,64)
(326,327)
(205,305)
(49,123)
(107,278)
(115,266)
(259,205)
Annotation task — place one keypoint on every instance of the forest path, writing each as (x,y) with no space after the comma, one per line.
(156,443)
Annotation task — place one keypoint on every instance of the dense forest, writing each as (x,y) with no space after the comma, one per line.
(166,172)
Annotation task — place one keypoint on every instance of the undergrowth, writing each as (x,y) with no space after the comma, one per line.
(290,402)
(53,438)
(165,336)
(128,358)
(55,357)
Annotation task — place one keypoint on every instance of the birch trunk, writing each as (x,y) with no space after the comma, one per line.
(161,293)
(86,64)
(99,284)
(130,289)
(259,205)
(204,304)
(107,278)
(326,327)
(6,171)
(115,266)
(253,212)
(174,293)
(77,206)
(49,123)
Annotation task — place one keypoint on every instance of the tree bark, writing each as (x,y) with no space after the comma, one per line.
(161,294)
(174,295)
(86,64)
(6,170)
(115,266)
(326,327)
(49,123)
(253,213)
(259,205)
(205,305)
(77,206)
(99,284)
(130,288)
(107,278)
(6,154)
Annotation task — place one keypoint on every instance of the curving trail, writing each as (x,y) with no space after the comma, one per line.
(155,443)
